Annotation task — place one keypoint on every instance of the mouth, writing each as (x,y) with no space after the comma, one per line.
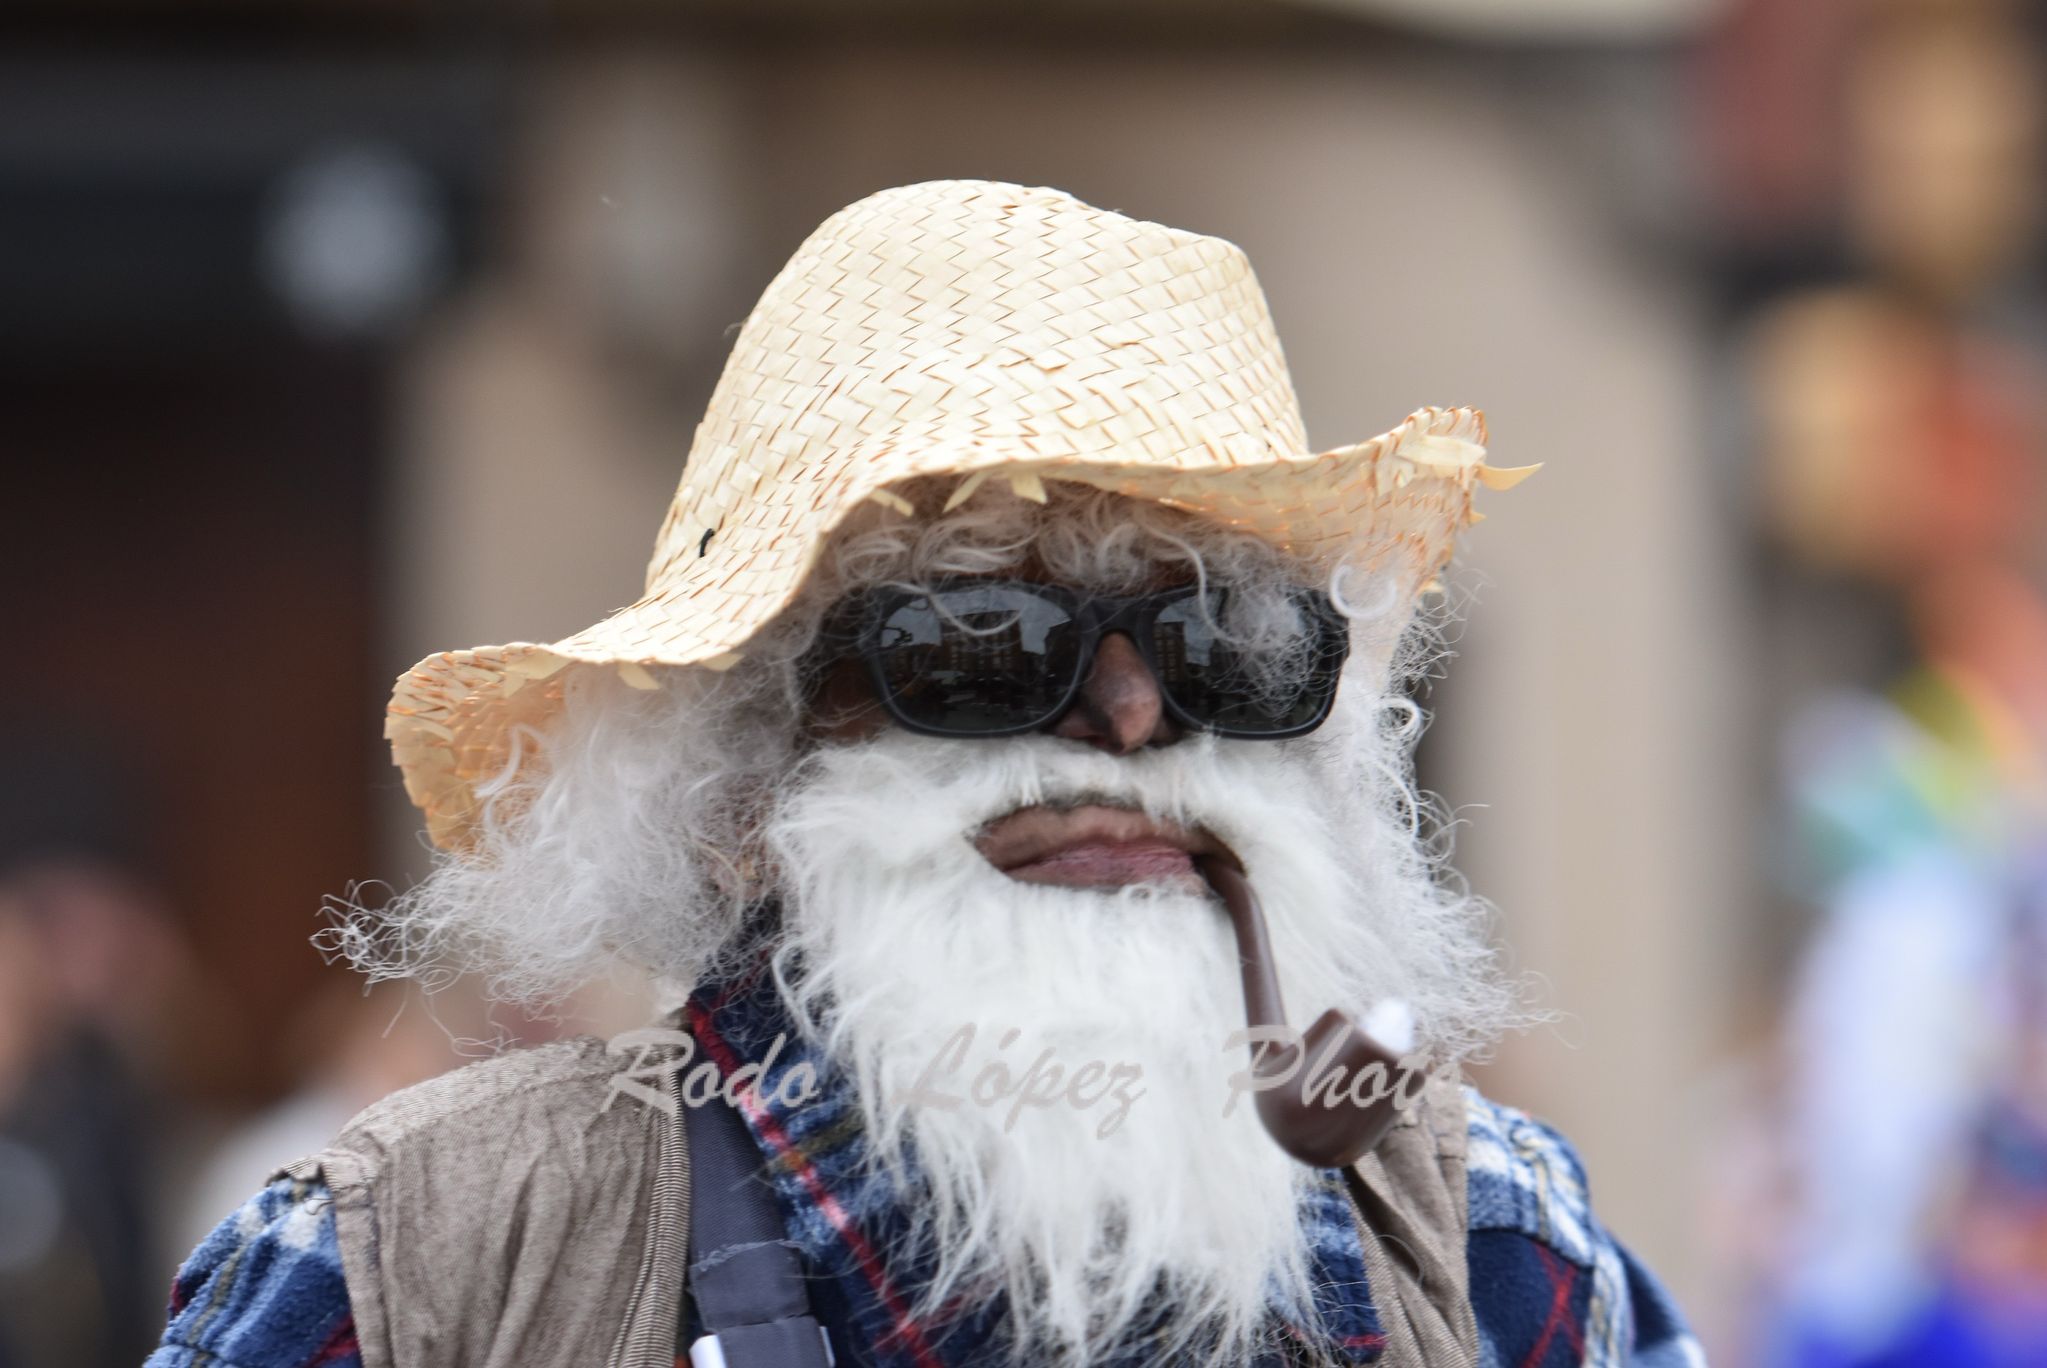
(1095,845)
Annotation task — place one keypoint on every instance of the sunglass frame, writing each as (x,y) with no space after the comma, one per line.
(1094,616)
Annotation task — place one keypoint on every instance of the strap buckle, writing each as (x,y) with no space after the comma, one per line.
(708,1353)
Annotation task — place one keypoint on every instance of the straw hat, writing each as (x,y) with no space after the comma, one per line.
(969,329)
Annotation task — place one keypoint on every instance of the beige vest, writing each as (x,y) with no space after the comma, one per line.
(522,1213)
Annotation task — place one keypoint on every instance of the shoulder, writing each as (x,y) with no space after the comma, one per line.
(1549,1283)
(269,1287)
(264,1290)
(1521,1174)
(413,1234)
(567,1076)
(530,1141)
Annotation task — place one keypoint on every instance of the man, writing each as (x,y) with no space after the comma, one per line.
(999,609)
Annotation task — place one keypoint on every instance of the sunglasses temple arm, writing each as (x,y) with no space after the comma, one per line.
(1332,1135)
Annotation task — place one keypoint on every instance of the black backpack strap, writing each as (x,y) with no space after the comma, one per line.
(743,1271)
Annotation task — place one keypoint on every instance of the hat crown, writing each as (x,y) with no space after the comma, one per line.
(952,314)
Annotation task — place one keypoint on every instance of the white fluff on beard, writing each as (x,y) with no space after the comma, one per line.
(900,933)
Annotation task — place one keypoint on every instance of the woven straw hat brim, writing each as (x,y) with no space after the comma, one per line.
(1395,502)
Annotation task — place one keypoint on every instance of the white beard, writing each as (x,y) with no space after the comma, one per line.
(1091,1212)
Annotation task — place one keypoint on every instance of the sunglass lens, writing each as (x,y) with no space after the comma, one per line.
(977,660)
(1243,694)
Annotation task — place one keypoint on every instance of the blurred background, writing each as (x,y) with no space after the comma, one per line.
(338,332)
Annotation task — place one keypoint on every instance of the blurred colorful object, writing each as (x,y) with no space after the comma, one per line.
(1899,427)
(1920,1104)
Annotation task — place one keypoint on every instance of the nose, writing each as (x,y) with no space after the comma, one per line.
(1119,708)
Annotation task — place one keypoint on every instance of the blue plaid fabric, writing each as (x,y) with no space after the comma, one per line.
(1549,1286)
(264,1290)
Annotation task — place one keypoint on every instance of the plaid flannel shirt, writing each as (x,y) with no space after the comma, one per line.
(1549,1286)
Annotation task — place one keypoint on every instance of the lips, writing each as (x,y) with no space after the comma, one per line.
(1094,846)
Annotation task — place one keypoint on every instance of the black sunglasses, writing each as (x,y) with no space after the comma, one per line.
(988,657)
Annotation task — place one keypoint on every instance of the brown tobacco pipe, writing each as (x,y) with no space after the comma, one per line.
(1334,1132)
